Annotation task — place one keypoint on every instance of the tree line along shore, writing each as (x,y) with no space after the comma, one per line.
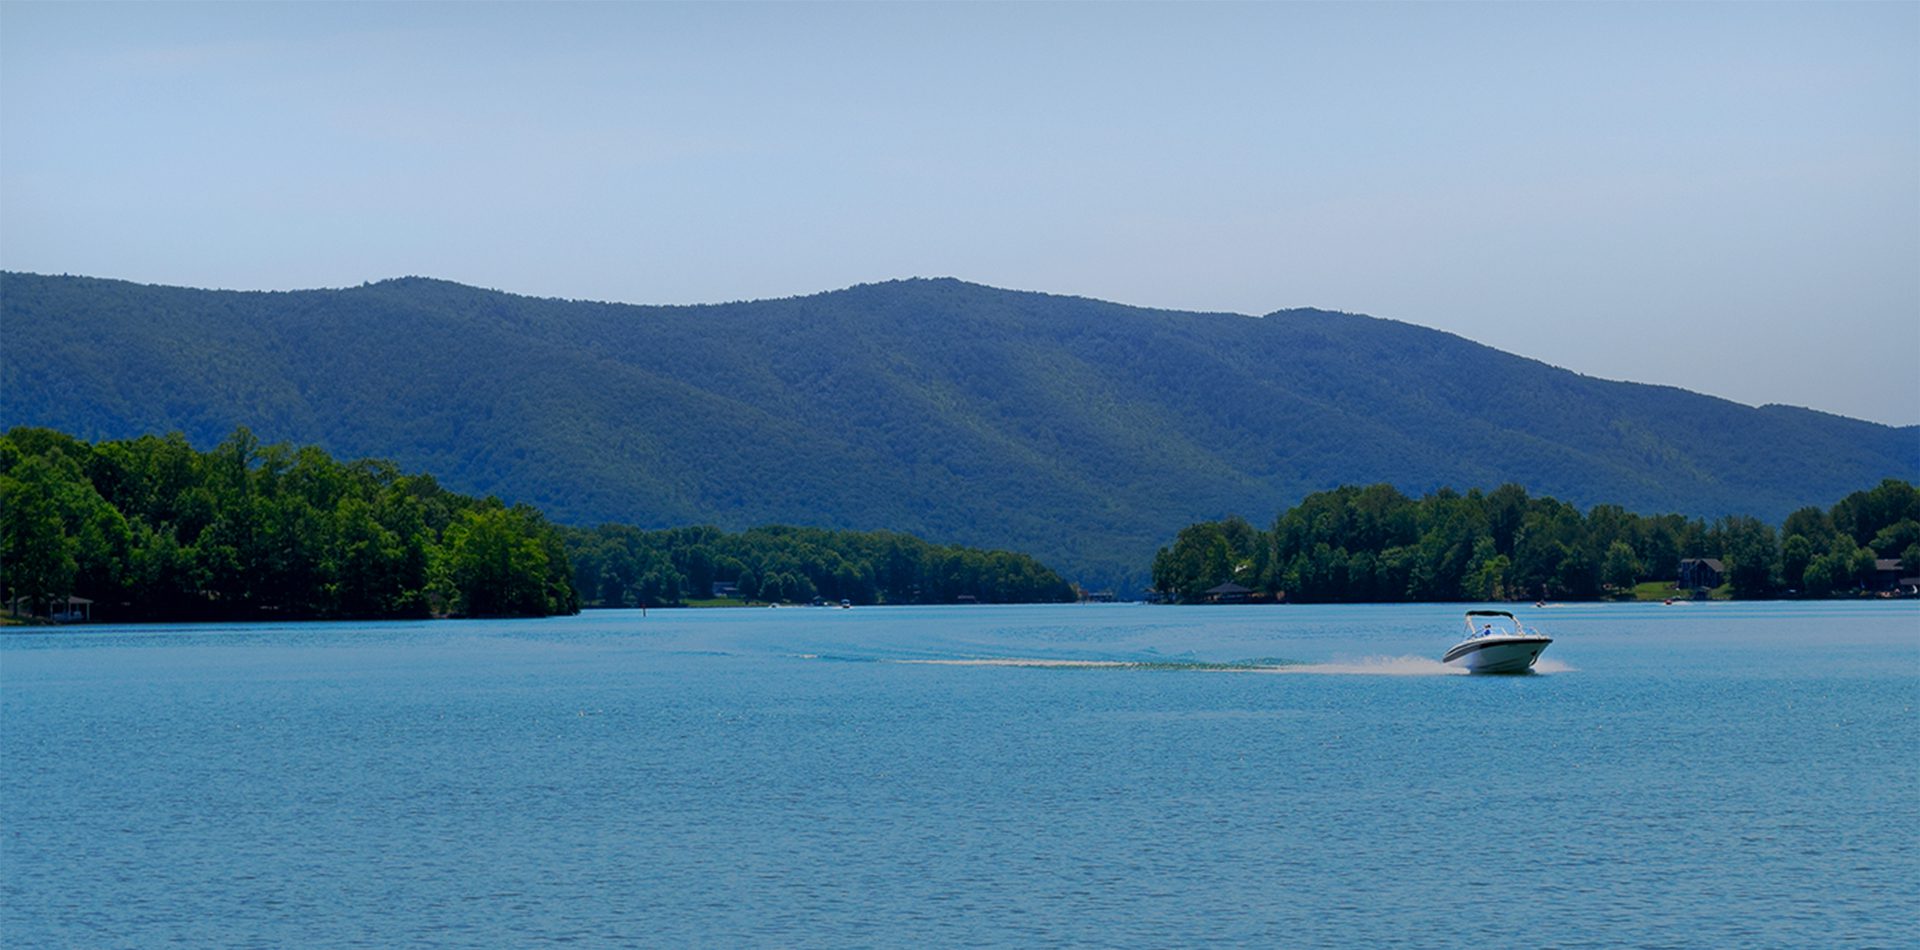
(1375,544)
(149,529)
(152,529)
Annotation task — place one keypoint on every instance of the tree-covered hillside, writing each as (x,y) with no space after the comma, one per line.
(1082,432)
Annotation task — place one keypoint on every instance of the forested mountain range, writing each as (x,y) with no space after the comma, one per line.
(1085,433)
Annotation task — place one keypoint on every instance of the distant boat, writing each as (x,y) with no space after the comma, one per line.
(1508,648)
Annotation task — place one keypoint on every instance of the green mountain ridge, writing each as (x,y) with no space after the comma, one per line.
(1080,431)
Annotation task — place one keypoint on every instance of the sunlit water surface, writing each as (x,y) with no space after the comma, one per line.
(1697,775)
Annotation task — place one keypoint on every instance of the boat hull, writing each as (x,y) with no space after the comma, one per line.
(1498,654)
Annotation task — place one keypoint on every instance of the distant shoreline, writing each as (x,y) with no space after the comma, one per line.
(1449,608)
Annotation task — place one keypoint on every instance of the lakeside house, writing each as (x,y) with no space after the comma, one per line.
(1701,573)
(1886,576)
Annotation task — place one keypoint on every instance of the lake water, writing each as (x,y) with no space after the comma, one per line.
(1697,775)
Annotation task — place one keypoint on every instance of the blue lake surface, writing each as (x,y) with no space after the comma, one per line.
(1696,775)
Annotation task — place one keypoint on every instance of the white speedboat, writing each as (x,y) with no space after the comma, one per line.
(1499,644)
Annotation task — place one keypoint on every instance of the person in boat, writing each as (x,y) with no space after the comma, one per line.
(1486,629)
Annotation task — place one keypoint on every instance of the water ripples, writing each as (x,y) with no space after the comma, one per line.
(939,777)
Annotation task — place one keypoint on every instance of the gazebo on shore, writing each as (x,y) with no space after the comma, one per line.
(1228,593)
(68,609)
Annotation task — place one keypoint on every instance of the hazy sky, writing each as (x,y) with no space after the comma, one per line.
(1719,197)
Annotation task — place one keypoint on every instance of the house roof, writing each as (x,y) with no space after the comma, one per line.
(1230,588)
(1712,562)
(1886,564)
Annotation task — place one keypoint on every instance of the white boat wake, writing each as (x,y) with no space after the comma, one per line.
(1368,666)
(1378,666)
(1033,662)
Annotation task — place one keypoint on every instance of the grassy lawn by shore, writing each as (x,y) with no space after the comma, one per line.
(1655,590)
(1663,590)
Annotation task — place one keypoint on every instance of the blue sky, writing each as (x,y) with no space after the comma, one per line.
(1723,197)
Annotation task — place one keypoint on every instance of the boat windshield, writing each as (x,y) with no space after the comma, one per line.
(1492,623)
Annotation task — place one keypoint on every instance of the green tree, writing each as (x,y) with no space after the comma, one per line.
(1823,575)
(366,564)
(1895,538)
(1752,556)
(496,564)
(1863,514)
(34,546)
(1860,568)
(1620,570)
(1814,524)
(1795,554)
(1487,574)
